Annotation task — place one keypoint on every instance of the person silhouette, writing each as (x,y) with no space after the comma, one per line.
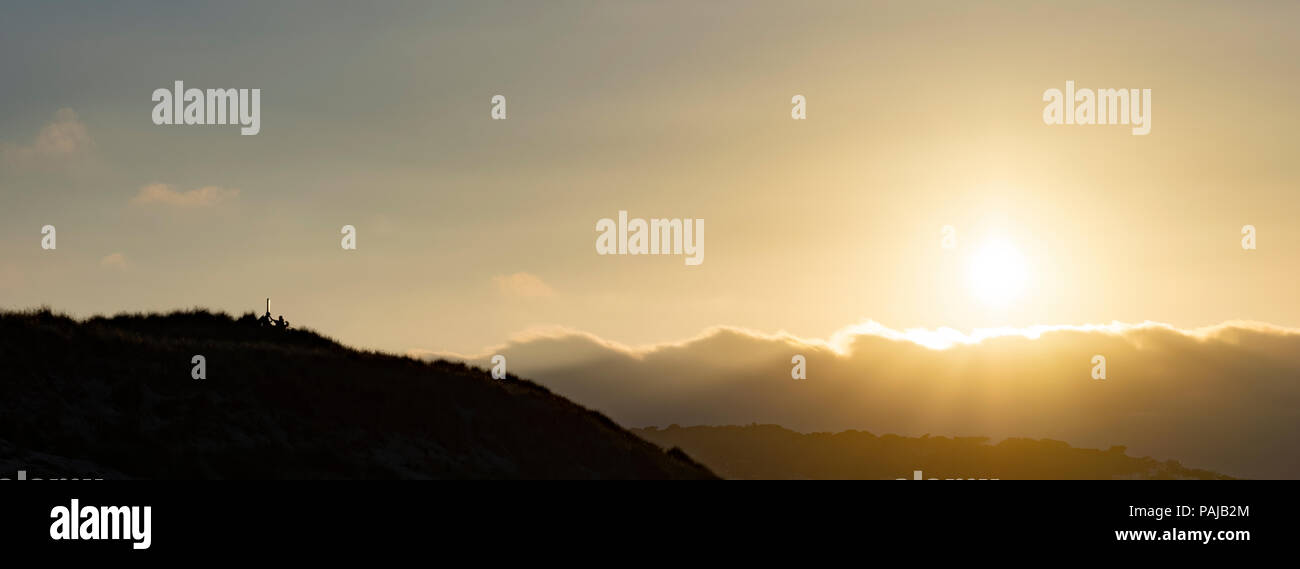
(282,322)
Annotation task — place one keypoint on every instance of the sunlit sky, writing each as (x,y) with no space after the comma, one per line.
(470,230)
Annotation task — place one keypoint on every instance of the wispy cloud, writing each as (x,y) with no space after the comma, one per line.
(522,285)
(167,194)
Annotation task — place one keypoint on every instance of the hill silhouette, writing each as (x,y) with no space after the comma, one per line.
(773,452)
(113,397)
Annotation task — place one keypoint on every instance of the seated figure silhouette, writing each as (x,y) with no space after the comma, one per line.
(266,321)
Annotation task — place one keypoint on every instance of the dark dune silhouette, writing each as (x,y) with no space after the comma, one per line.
(114,397)
(772,452)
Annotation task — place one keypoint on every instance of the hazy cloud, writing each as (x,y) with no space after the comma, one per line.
(1223,397)
(113,261)
(65,136)
(522,285)
(168,195)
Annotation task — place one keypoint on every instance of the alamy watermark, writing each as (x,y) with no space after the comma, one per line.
(498,366)
(1100,107)
(183,106)
(1098,366)
(638,236)
(77,522)
(917,475)
(22,475)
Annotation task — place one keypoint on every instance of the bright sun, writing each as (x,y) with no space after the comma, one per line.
(997,273)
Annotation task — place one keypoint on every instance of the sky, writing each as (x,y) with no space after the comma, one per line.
(472,231)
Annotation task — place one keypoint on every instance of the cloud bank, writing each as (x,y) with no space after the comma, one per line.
(1225,397)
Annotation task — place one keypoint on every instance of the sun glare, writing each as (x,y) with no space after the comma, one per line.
(997,273)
